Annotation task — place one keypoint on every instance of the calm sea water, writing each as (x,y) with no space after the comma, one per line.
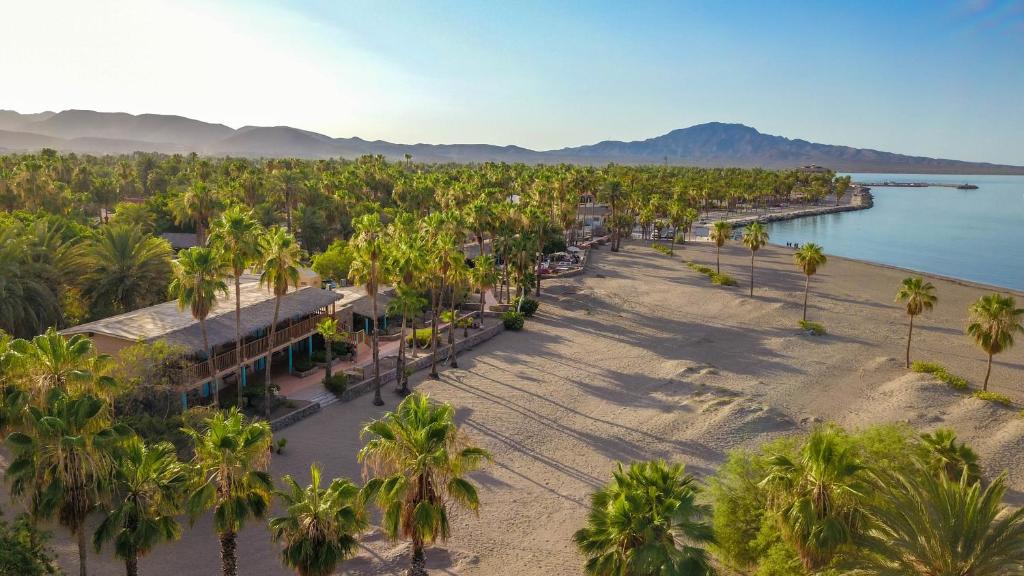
(969,234)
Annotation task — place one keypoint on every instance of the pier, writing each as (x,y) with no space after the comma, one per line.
(963,186)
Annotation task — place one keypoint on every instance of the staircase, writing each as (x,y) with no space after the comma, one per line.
(324,398)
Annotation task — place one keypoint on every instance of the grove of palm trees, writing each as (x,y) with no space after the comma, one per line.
(645,422)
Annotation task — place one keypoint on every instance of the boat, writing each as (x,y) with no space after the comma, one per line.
(967,187)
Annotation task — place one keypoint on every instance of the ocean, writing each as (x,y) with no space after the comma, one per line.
(975,235)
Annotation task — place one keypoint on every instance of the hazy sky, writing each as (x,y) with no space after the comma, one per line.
(934,77)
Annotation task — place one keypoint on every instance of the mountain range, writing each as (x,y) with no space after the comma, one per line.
(711,144)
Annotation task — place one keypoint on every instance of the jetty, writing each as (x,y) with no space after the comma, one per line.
(888,184)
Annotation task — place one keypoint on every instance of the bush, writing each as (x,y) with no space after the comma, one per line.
(337,383)
(528,308)
(813,327)
(302,364)
(513,320)
(940,372)
(722,279)
(422,336)
(24,550)
(993,397)
(662,248)
(555,244)
(700,268)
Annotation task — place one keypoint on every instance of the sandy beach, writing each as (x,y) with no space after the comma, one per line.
(642,358)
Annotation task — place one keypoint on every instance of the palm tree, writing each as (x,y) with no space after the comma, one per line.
(148,486)
(279,270)
(647,521)
(237,235)
(52,362)
(720,232)
(28,303)
(919,297)
(198,278)
(368,269)
(817,496)
(418,459)
(754,237)
(994,319)
(932,525)
(483,276)
(943,455)
(231,457)
(319,526)
(329,331)
(127,269)
(197,206)
(406,303)
(809,258)
(62,459)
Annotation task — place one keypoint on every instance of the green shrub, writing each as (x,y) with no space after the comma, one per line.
(337,383)
(513,320)
(528,308)
(700,268)
(662,248)
(813,327)
(940,372)
(722,279)
(279,447)
(302,364)
(24,549)
(993,397)
(422,336)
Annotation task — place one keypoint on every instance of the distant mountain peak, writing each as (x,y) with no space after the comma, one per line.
(707,144)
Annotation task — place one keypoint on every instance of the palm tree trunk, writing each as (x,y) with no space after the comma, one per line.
(403,382)
(228,563)
(751,273)
(375,341)
(988,372)
(414,343)
(83,551)
(419,561)
(807,287)
(270,355)
(718,258)
(238,339)
(540,252)
(483,303)
(672,245)
(209,363)
(435,311)
(910,334)
(329,356)
(452,361)
(131,565)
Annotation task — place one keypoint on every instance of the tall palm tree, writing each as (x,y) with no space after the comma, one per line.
(994,319)
(328,330)
(197,206)
(148,487)
(368,269)
(418,460)
(279,270)
(483,276)
(28,303)
(199,274)
(127,269)
(919,297)
(458,277)
(319,525)
(809,258)
(816,496)
(647,521)
(720,232)
(63,456)
(237,235)
(52,362)
(932,525)
(754,237)
(943,455)
(406,303)
(230,462)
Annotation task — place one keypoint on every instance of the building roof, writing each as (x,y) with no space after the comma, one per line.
(167,322)
(180,240)
(356,297)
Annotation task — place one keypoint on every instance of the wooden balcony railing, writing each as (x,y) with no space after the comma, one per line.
(226,361)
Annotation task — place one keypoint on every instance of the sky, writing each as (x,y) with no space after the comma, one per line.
(940,78)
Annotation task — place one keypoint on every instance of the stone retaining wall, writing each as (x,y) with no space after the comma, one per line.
(292,418)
